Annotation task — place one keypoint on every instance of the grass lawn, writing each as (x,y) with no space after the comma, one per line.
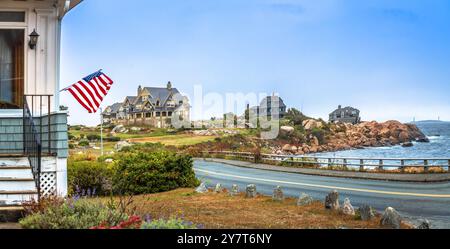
(223,211)
(174,140)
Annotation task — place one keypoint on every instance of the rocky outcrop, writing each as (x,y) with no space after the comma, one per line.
(424,224)
(371,134)
(344,136)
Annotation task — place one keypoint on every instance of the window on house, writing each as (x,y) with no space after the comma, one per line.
(11,68)
(12,16)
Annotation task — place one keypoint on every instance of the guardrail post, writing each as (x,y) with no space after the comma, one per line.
(448,165)
(329,162)
(425,166)
(380,165)
(345,163)
(361,165)
(402,168)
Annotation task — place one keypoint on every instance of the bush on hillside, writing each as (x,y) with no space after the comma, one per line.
(138,172)
(90,176)
(93,137)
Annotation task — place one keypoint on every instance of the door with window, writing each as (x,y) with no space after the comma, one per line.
(12,57)
(11,68)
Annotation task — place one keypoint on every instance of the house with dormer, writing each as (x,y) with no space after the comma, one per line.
(152,106)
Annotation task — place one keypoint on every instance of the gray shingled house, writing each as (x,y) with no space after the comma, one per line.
(345,115)
(153,107)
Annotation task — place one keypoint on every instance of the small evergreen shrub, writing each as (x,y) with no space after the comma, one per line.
(141,173)
(89,175)
(83,143)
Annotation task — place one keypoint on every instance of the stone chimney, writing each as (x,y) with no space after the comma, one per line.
(339,107)
(139,90)
(169,86)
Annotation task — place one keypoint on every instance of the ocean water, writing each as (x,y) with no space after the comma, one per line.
(438,148)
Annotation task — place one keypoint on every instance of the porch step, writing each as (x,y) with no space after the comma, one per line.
(14,161)
(17,184)
(16,198)
(22,172)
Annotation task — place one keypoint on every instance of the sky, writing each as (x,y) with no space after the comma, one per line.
(390,59)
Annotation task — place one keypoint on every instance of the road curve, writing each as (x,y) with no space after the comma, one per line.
(413,200)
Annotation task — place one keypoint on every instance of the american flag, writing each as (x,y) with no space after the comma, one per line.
(91,90)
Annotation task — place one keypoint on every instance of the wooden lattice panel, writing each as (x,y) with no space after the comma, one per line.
(48,184)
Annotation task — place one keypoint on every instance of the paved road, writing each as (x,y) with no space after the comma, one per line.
(413,200)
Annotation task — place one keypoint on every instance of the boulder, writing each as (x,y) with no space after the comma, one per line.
(290,148)
(218,188)
(234,190)
(347,208)
(404,136)
(277,194)
(121,144)
(424,224)
(287,130)
(312,124)
(423,140)
(315,141)
(407,144)
(366,212)
(201,188)
(332,200)
(135,129)
(119,129)
(250,191)
(304,200)
(391,218)
(109,160)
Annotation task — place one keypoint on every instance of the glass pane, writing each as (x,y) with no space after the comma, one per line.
(11,68)
(12,16)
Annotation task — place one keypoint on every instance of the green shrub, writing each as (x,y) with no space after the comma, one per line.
(93,137)
(112,139)
(162,170)
(73,214)
(89,175)
(71,136)
(83,143)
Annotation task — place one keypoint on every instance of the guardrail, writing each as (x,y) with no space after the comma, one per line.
(361,163)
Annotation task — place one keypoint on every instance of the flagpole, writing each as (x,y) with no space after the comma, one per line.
(101,131)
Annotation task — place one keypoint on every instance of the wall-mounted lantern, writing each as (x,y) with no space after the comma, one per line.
(34,36)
